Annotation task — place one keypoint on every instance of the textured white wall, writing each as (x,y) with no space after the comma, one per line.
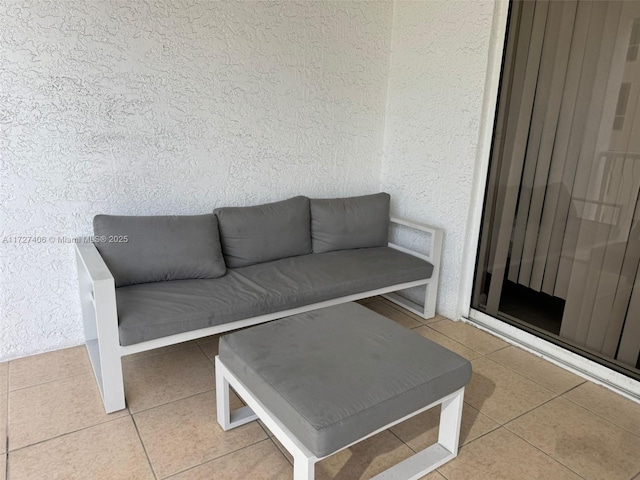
(434,108)
(171,107)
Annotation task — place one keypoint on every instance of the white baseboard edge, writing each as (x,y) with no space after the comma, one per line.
(557,355)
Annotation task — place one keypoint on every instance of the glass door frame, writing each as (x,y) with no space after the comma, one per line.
(538,344)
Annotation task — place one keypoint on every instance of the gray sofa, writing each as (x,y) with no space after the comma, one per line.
(148,282)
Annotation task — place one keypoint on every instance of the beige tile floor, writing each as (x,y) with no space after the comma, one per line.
(524,418)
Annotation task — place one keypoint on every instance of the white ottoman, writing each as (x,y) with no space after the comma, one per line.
(324,380)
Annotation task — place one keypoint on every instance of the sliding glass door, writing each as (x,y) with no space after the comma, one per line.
(559,252)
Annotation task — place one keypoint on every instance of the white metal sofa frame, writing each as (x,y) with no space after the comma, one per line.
(99,312)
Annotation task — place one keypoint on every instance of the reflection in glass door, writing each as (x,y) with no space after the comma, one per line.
(560,242)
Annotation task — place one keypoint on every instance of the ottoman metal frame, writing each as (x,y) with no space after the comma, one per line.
(304,462)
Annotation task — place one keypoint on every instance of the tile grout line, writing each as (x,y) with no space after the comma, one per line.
(213,389)
(66,433)
(573,388)
(442,474)
(181,398)
(545,453)
(526,378)
(407,313)
(484,434)
(129,412)
(598,414)
(280,450)
(263,427)
(422,321)
(218,458)
(529,443)
(480,354)
(459,342)
(47,382)
(519,436)
(402,441)
(415,452)
(525,413)
(144,447)
(480,436)
(531,379)
(81,346)
(501,348)
(210,359)
(419,324)
(443,319)
(498,422)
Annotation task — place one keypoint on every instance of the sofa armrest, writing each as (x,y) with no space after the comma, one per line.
(436,238)
(435,242)
(100,318)
(97,286)
(92,262)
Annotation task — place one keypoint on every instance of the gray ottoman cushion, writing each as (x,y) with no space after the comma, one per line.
(142,249)
(334,375)
(265,232)
(355,222)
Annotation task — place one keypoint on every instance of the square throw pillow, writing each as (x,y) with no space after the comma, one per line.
(354,222)
(266,232)
(144,249)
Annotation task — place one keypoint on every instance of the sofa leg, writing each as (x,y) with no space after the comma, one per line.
(113,385)
(430,299)
(108,373)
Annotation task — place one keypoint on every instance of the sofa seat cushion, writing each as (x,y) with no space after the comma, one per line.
(156,310)
(314,278)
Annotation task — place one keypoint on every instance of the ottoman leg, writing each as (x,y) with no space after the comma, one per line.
(450,420)
(226,418)
(427,460)
(303,468)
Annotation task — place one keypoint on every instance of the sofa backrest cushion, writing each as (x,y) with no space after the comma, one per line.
(144,249)
(266,232)
(354,222)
